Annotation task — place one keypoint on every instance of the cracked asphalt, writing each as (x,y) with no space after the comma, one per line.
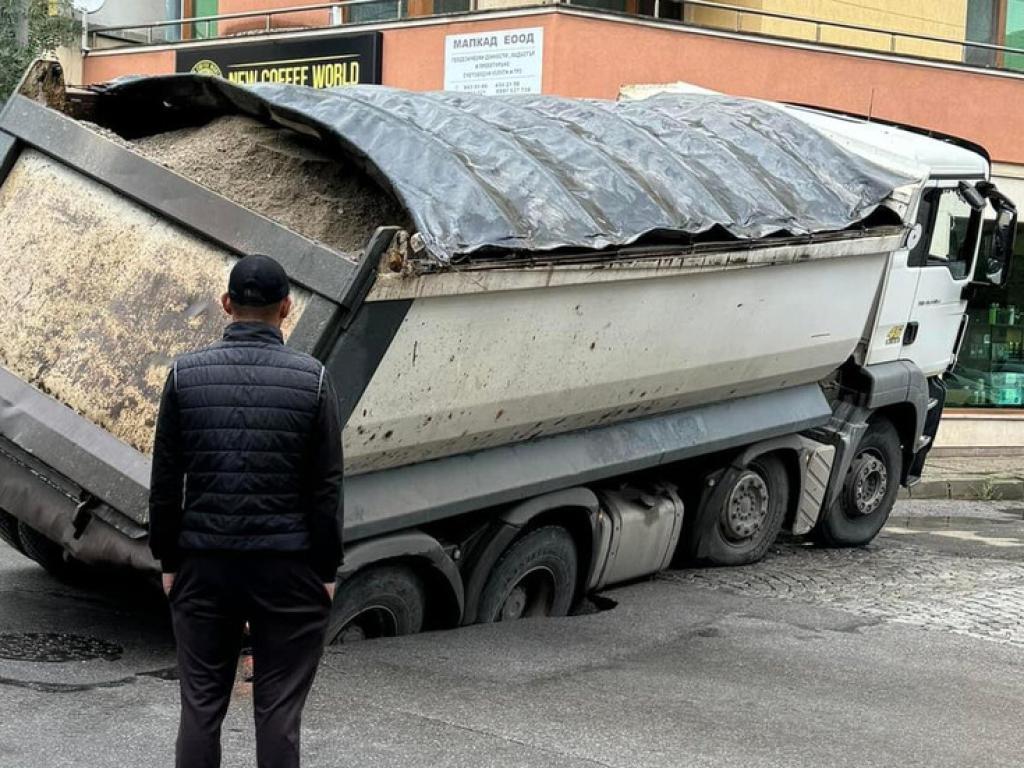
(904,653)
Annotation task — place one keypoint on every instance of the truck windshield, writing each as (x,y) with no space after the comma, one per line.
(950,228)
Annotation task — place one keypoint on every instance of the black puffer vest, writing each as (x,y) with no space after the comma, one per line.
(247,406)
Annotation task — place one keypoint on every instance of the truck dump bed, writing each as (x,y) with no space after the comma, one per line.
(479,275)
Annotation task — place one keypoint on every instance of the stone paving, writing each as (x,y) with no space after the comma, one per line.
(901,578)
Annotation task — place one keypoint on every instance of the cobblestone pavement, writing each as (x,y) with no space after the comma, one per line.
(933,566)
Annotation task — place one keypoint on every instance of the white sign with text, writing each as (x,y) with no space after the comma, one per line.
(494,63)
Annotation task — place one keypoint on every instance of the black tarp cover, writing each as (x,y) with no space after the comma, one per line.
(538,173)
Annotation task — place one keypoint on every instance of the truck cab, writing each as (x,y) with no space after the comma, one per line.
(922,313)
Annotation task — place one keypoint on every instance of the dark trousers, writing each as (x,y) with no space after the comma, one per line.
(287,609)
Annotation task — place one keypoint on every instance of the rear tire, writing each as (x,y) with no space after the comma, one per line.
(536,576)
(9,530)
(47,554)
(386,601)
(869,490)
(748,516)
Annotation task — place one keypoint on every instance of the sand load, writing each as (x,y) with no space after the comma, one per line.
(281,175)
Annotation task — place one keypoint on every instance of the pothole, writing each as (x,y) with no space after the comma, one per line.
(594,604)
(56,647)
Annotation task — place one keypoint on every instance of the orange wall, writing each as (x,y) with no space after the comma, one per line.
(595,57)
(100,68)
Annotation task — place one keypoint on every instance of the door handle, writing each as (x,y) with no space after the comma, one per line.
(910,333)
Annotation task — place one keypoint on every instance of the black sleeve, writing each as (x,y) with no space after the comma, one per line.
(326,513)
(167,481)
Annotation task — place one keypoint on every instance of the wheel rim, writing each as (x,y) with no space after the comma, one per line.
(870,482)
(747,507)
(532,595)
(370,623)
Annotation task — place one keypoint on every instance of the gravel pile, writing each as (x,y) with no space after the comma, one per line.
(280,175)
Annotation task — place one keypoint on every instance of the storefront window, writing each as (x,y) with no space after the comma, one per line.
(990,371)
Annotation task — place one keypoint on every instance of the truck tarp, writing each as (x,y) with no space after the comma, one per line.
(540,173)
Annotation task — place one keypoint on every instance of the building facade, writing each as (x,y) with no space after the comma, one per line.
(947,66)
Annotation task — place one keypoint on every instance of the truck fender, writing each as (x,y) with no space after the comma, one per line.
(410,545)
(510,523)
(901,389)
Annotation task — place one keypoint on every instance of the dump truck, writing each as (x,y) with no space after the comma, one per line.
(574,341)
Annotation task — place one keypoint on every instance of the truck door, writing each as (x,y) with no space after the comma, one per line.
(943,257)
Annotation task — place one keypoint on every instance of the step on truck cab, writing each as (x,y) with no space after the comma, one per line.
(573,341)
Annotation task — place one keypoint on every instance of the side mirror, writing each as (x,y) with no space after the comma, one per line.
(972,196)
(999,259)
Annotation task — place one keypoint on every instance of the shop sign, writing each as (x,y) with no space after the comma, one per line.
(323,62)
(495,63)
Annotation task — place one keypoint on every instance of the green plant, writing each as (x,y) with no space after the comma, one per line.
(986,491)
(28,29)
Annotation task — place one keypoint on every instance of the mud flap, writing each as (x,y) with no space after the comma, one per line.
(936,402)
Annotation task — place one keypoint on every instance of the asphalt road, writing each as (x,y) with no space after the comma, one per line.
(906,653)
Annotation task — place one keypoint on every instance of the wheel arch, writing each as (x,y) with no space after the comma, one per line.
(575,509)
(897,391)
(445,594)
(904,418)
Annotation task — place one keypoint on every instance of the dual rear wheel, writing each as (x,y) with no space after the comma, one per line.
(742,517)
(536,576)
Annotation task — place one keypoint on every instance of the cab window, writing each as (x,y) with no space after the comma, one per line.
(949,228)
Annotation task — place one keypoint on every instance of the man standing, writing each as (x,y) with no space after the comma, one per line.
(245,518)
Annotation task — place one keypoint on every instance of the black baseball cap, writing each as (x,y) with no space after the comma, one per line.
(257,281)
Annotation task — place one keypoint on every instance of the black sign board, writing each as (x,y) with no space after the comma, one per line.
(321,62)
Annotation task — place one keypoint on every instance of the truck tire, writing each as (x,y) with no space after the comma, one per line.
(384,601)
(9,530)
(869,490)
(536,576)
(47,553)
(748,517)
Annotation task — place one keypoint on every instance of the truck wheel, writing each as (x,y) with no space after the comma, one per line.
(379,602)
(9,530)
(47,553)
(535,577)
(750,514)
(869,490)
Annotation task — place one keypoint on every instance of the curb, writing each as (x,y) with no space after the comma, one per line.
(967,489)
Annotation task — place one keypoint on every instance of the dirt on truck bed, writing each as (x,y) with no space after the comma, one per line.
(278,174)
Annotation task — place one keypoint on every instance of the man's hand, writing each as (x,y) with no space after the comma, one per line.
(168,579)
(330,590)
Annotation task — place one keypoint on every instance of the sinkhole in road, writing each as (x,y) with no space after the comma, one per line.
(56,647)
(593,604)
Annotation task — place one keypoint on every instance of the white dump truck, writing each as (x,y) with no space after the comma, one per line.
(573,341)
